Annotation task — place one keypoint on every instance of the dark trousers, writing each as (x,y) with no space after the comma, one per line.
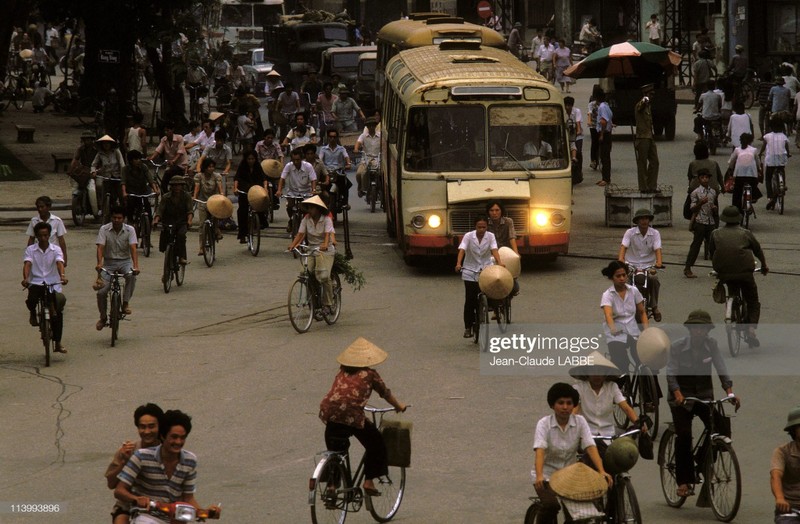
(180,240)
(133,205)
(682,419)
(241,214)
(647,163)
(651,291)
(471,292)
(605,156)
(618,352)
(702,233)
(594,149)
(337,438)
(57,319)
(548,514)
(747,284)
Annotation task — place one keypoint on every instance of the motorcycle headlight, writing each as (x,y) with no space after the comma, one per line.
(184,513)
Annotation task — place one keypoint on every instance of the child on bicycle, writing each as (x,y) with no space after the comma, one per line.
(342,409)
(775,153)
(556,442)
(785,472)
(206,184)
(689,375)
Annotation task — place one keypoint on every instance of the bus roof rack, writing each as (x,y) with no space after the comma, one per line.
(427,15)
(445,20)
(459,45)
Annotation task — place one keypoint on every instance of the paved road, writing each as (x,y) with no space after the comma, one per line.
(221,348)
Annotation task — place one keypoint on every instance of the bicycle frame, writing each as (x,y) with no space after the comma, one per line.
(46,309)
(642,284)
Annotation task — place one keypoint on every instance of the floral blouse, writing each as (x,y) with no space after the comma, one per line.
(349,393)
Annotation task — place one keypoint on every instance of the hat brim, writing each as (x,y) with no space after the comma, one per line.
(362,354)
(637,217)
(792,424)
(709,325)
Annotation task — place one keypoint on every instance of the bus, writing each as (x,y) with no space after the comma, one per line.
(464,124)
(423,29)
(241,22)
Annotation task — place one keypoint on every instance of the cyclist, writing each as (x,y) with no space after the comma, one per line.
(785,472)
(301,132)
(325,102)
(556,442)
(745,166)
(345,110)
(337,161)
(710,107)
(57,228)
(689,375)
(165,473)
(196,77)
(171,147)
(137,179)
(146,419)
(44,262)
(288,103)
(621,305)
(219,152)
(245,125)
(775,151)
(640,248)
(269,147)
(175,209)
(248,174)
(316,229)
(323,178)
(370,142)
(109,163)
(733,250)
(477,250)
(116,251)
(342,409)
(206,184)
(300,179)
(779,100)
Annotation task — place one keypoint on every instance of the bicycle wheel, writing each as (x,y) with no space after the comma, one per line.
(373,197)
(666,462)
(724,481)
(532,513)
(114,317)
(78,213)
(180,271)
(209,245)
(301,309)
(106,207)
(295,221)
(47,334)
(748,96)
(253,234)
(146,230)
(620,418)
(482,332)
(779,180)
(329,500)
(392,486)
(733,328)
(336,308)
(627,504)
(746,217)
(648,398)
(166,275)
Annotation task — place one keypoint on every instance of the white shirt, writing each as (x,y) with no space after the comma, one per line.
(597,407)
(745,162)
(737,125)
(561,445)
(43,265)
(546,52)
(641,249)
(371,144)
(298,181)
(543,149)
(116,245)
(653,30)
(577,117)
(477,255)
(623,312)
(775,150)
(56,224)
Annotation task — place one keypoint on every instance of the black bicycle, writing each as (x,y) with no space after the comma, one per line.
(717,467)
(143,222)
(305,295)
(115,311)
(253,228)
(747,206)
(81,206)
(112,194)
(46,309)
(736,328)
(779,188)
(209,237)
(294,201)
(641,392)
(173,269)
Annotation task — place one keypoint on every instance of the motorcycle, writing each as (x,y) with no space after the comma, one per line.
(177,512)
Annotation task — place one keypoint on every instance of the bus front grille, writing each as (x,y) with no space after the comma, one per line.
(462,218)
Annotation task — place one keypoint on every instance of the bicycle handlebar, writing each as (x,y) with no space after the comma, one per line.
(370,409)
(729,398)
(116,272)
(200,201)
(305,251)
(142,196)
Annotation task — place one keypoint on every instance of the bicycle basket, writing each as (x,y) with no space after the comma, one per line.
(718,293)
(579,510)
(397,437)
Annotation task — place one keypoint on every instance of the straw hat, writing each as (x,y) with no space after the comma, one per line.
(361,354)
(25,54)
(793,419)
(258,198)
(106,138)
(653,347)
(177,180)
(578,482)
(219,206)
(496,282)
(511,260)
(731,215)
(315,200)
(272,168)
(274,73)
(214,115)
(601,366)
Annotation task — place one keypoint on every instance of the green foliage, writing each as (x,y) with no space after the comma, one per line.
(350,274)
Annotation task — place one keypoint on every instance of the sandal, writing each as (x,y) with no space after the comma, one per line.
(60,349)
(684,490)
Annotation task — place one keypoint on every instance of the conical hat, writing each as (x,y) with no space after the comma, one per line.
(653,347)
(600,366)
(578,482)
(214,115)
(315,200)
(271,167)
(106,138)
(362,354)
(496,282)
(219,206)
(511,260)
(258,198)
(25,54)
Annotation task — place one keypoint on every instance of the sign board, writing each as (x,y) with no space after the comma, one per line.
(484,9)
(108,56)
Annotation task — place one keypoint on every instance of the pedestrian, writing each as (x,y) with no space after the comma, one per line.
(653,28)
(605,126)
(515,40)
(645,144)
(536,41)
(575,126)
(546,51)
(562,59)
(704,209)
(784,472)
(42,97)
(591,123)
(702,161)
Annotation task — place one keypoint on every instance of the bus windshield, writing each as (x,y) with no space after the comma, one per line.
(529,137)
(448,138)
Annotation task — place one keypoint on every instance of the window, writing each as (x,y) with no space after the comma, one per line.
(782,28)
(335,33)
(530,137)
(447,138)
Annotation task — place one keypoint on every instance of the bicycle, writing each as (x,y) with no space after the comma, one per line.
(339,203)
(713,134)
(157,168)
(736,330)
(172,266)
(779,188)
(115,313)
(375,189)
(640,277)
(716,464)
(108,190)
(46,309)
(747,206)
(305,295)
(294,201)
(80,205)
(143,223)
(209,227)
(640,391)
(253,228)
(334,489)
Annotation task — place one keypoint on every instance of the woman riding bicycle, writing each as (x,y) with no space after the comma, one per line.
(342,409)
(785,473)
(316,228)
(621,304)
(206,184)
(745,167)
(248,174)
(477,250)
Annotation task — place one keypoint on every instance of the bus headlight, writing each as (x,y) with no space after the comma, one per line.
(434,221)
(418,221)
(557,219)
(541,218)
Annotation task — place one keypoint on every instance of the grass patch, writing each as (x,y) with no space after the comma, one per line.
(11,169)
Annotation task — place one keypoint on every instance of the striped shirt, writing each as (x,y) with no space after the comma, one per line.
(145,476)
